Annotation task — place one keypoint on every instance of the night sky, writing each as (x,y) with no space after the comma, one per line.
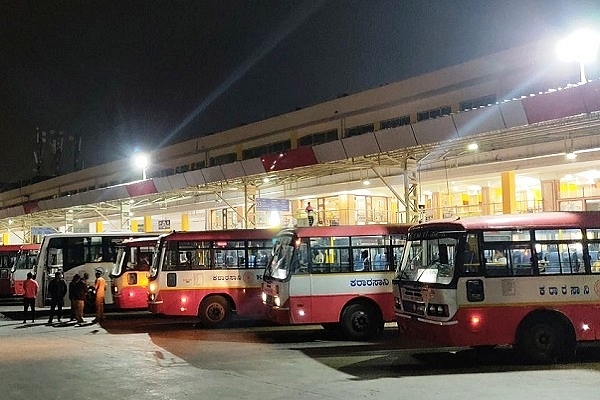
(126,75)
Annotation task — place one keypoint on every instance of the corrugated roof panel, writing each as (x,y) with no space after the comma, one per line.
(361,145)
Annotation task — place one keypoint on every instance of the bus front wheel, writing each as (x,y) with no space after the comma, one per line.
(214,312)
(360,321)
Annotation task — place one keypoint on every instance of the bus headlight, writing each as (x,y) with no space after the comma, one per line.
(277,301)
(264,297)
(152,287)
(438,310)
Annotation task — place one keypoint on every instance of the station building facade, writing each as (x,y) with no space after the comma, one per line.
(400,152)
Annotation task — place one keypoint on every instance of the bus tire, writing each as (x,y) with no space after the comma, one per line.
(360,321)
(214,312)
(545,339)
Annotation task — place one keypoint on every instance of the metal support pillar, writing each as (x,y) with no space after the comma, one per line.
(411,195)
(249,207)
(69,222)
(125,215)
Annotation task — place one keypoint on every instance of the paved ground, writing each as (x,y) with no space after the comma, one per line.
(139,356)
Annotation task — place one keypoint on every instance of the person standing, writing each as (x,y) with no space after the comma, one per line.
(100,289)
(30,289)
(57,289)
(72,290)
(366,260)
(319,257)
(79,296)
(309,213)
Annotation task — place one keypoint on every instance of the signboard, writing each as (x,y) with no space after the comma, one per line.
(164,224)
(263,204)
(42,230)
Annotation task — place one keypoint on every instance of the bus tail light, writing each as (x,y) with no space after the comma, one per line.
(475,322)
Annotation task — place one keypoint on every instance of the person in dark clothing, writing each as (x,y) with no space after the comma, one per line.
(72,289)
(57,289)
(80,292)
(310,214)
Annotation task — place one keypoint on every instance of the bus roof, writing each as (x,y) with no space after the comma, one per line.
(31,246)
(141,241)
(349,230)
(229,234)
(543,220)
(106,234)
(10,248)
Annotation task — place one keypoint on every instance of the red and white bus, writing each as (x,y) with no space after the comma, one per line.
(129,277)
(210,274)
(26,262)
(531,281)
(78,253)
(336,276)
(8,259)
(15,262)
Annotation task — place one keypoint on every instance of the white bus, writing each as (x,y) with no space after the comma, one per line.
(78,253)
(336,276)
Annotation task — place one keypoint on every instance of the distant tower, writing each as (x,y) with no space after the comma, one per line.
(38,154)
(49,163)
(77,163)
(57,146)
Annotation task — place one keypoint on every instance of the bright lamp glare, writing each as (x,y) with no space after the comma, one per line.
(274,219)
(580,46)
(141,160)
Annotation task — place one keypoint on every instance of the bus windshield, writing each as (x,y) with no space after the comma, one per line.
(284,259)
(133,258)
(429,260)
(25,260)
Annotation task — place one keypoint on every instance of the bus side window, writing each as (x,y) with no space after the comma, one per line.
(470,255)
(380,262)
(496,262)
(521,261)
(362,260)
(302,258)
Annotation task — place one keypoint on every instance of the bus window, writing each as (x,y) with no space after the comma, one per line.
(470,255)
(257,258)
(496,261)
(571,258)
(521,261)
